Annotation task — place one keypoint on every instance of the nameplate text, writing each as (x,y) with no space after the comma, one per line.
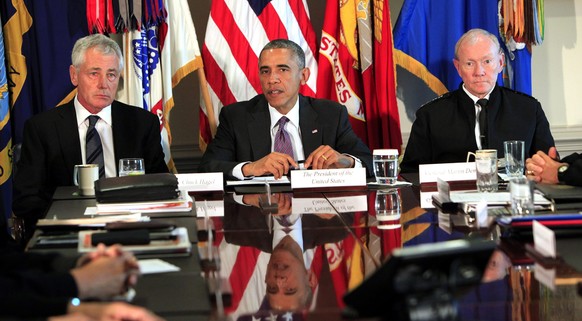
(429,173)
(200,182)
(326,178)
(344,204)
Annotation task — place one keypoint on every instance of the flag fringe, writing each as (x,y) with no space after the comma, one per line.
(185,70)
(418,69)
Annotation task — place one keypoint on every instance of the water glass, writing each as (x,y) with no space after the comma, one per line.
(486,166)
(388,205)
(131,166)
(385,165)
(521,191)
(514,157)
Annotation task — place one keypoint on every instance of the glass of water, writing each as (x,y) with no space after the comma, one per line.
(514,157)
(521,191)
(486,165)
(388,205)
(385,165)
(131,166)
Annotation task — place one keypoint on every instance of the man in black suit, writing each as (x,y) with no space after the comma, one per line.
(54,141)
(446,128)
(319,130)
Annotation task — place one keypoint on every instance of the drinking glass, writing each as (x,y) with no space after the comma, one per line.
(486,166)
(514,157)
(131,166)
(521,192)
(385,165)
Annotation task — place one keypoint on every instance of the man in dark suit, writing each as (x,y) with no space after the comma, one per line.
(319,130)
(54,141)
(446,128)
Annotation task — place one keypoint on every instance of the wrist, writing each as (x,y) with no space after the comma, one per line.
(246,170)
(562,170)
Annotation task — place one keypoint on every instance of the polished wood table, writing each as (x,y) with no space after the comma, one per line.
(248,264)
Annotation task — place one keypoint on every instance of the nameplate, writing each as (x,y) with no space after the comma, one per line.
(210,208)
(200,182)
(429,173)
(328,178)
(544,240)
(344,204)
(546,276)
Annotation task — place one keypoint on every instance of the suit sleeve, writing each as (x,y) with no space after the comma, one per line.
(543,138)
(220,155)
(35,284)
(31,191)
(573,176)
(418,146)
(154,154)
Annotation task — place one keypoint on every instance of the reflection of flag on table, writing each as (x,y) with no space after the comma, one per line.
(356,68)
(157,58)
(235,34)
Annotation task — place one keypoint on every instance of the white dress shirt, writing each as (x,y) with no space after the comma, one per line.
(477,110)
(104,128)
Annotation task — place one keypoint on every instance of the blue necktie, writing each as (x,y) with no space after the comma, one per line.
(93,147)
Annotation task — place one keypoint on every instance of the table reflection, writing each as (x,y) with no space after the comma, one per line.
(289,256)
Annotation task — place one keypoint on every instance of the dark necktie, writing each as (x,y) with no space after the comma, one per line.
(282,138)
(482,117)
(93,147)
(285,222)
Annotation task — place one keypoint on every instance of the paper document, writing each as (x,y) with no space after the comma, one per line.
(93,221)
(260,180)
(150,266)
(180,204)
(498,198)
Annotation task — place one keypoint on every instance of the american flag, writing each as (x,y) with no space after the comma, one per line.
(236,32)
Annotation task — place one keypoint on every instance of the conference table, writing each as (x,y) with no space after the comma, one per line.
(344,239)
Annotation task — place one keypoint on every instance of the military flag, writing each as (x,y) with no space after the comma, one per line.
(356,68)
(157,58)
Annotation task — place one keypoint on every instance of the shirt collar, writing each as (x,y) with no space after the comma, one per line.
(82,113)
(293,115)
(475,98)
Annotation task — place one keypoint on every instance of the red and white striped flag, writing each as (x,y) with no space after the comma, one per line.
(237,31)
(157,58)
(356,68)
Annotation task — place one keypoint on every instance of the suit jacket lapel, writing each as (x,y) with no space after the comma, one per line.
(311,133)
(68,134)
(259,123)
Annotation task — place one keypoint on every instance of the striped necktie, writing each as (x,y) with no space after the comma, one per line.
(282,138)
(93,147)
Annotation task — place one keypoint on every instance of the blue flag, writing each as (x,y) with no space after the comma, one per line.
(5,141)
(36,47)
(39,36)
(425,35)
